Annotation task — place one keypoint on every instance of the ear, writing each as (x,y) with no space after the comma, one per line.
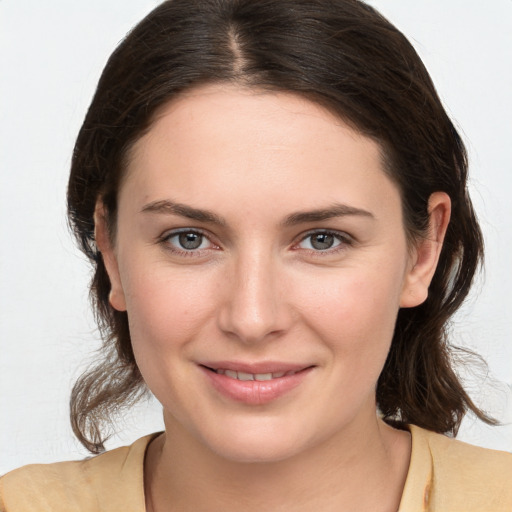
(425,254)
(105,246)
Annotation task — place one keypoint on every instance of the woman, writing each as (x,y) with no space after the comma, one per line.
(275,205)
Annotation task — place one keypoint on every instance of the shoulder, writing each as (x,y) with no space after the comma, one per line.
(113,480)
(466,477)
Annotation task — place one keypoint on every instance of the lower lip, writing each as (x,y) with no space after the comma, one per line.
(255,392)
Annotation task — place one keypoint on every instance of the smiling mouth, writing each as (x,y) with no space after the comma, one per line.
(257,383)
(244,376)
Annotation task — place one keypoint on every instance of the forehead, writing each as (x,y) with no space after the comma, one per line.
(220,140)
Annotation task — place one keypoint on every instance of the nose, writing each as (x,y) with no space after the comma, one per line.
(254,308)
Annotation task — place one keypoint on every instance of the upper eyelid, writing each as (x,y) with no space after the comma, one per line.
(166,235)
(346,241)
(343,235)
(176,231)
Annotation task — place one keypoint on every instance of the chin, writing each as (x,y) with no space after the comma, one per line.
(260,441)
(262,451)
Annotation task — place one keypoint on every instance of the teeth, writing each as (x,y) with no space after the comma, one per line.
(263,376)
(253,376)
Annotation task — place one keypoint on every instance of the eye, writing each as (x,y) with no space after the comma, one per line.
(187,241)
(323,241)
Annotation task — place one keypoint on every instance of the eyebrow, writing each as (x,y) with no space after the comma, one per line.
(336,210)
(171,208)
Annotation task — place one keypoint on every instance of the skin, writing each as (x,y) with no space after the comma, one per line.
(257,290)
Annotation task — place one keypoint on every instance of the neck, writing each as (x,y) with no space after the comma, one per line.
(361,468)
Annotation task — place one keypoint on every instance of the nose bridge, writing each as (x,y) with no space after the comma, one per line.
(254,306)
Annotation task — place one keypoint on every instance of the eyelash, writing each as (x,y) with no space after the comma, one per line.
(165,240)
(344,240)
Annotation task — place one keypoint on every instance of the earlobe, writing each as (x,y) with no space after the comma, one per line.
(426,254)
(104,244)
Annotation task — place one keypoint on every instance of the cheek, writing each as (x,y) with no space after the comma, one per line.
(167,308)
(167,311)
(354,310)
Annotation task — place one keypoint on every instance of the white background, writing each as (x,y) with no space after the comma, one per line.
(51,56)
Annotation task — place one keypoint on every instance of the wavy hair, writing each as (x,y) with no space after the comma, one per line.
(341,54)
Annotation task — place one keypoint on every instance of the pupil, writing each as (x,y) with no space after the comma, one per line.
(190,240)
(322,241)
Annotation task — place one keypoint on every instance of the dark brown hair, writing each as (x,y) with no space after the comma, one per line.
(341,54)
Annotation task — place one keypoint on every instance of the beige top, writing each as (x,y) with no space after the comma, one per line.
(444,475)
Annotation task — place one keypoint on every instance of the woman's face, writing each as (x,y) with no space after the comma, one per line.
(261,257)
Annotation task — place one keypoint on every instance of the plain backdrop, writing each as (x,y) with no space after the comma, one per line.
(51,56)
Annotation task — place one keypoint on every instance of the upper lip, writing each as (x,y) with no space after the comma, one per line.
(256,367)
